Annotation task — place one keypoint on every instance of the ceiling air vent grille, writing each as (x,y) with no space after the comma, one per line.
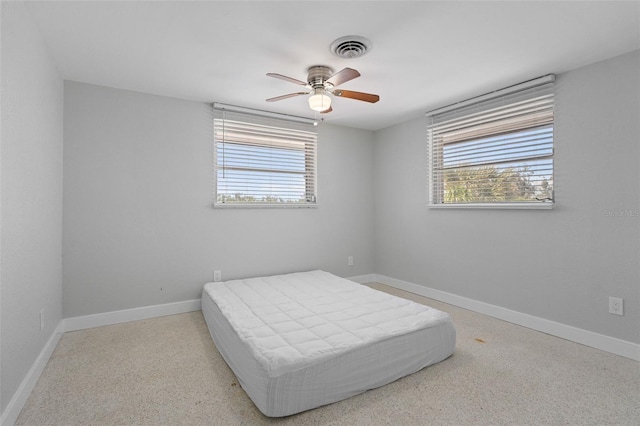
(350,47)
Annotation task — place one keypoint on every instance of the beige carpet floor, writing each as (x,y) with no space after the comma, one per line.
(167,371)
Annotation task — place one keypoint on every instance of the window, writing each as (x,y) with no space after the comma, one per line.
(495,150)
(264,161)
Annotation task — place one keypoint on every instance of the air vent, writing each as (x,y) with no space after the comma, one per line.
(350,47)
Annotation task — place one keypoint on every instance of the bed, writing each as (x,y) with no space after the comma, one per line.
(302,340)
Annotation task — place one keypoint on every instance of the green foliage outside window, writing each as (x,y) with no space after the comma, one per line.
(490,184)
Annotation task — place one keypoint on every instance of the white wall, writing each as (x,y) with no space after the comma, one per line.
(561,265)
(31,196)
(139,228)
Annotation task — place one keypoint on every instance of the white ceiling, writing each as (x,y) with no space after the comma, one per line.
(425,54)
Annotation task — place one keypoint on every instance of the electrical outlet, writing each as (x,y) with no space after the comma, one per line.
(217,276)
(350,260)
(616,306)
(41,319)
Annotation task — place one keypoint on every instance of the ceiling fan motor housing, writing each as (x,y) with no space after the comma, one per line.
(318,75)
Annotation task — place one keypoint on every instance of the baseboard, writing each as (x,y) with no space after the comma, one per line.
(126,315)
(10,414)
(589,338)
(363,279)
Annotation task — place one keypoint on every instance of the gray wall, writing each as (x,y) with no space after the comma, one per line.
(139,228)
(31,196)
(560,265)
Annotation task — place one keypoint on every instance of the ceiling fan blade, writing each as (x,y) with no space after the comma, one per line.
(360,96)
(343,76)
(326,111)
(290,95)
(285,78)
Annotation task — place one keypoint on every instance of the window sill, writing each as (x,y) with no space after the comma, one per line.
(264,206)
(503,206)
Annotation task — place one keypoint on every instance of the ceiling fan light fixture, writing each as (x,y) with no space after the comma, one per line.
(319,101)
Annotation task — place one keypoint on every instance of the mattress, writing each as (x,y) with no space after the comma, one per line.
(302,340)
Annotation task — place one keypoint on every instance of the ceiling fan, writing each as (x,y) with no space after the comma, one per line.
(321,82)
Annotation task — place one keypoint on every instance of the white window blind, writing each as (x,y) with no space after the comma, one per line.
(263,161)
(494,153)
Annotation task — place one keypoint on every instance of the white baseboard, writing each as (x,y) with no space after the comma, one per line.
(589,338)
(10,414)
(126,315)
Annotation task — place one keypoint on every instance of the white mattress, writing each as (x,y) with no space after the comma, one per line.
(299,341)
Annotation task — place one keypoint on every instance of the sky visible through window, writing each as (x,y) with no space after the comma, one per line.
(496,149)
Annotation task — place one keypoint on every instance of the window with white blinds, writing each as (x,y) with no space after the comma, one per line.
(263,161)
(497,152)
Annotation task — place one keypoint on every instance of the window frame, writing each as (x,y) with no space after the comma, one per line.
(479,108)
(264,131)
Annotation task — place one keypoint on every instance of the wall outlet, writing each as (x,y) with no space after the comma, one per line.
(41,319)
(616,306)
(217,276)
(350,260)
